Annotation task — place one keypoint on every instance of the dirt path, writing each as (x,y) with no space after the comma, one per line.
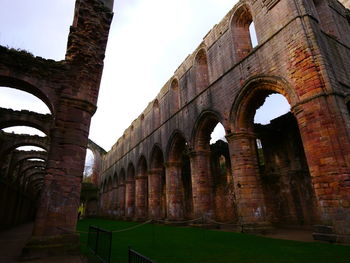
(12,241)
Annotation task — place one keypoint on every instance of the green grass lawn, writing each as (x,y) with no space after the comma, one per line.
(168,244)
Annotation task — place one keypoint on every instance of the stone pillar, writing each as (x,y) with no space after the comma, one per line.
(202,184)
(103,203)
(110,202)
(57,212)
(141,197)
(327,149)
(174,191)
(154,193)
(248,188)
(115,200)
(130,198)
(121,199)
(60,197)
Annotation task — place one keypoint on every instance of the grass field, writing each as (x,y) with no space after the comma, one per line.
(169,244)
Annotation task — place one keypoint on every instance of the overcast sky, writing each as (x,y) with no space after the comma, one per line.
(148,40)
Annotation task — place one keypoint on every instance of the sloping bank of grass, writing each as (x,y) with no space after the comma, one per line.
(169,244)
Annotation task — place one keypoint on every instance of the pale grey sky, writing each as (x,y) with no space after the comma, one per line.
(148,41)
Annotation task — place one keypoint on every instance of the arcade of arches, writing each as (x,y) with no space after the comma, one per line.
(294,171)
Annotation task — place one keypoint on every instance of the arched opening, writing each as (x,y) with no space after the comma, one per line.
(243,32)
(142,189)
(28,148)
(201,71)
(211,162)
(157,185)
(278,177)
(88,168)
(223,188)
(252,34)
(178,172)
(20,104)
(284,171)
(175,96)
(24,130)
(36,160)
(156,115)
(19,100)
(130,192)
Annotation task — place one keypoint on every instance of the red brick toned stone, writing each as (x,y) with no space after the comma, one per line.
(70,89)
(303,55)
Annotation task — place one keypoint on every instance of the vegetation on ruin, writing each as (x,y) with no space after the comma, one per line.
(167,244)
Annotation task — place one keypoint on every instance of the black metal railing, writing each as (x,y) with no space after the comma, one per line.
(136,257)
(100,243)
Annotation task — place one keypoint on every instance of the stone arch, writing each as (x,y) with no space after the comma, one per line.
(25,155)
(34,174)
(19,157)
(141,183)
(175,101)
(252,95)
(201,70)
(240,22)
(157,184)
(13,141)
(98,153)
(30,165)
(204,124)
(130,191)
(46,96)
(178,172)
(10,118)
(283,192)
(205,167)
(36,178)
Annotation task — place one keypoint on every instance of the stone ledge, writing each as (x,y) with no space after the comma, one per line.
(327,234)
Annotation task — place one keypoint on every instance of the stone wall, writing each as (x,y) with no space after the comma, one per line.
(302,53)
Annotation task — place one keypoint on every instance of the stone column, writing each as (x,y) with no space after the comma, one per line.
(130,198)
(141,197)
(117,204)
(110,202)
(247,184)
(174,191)
(103,203)
(121,198)
(115,201)
(202,184)
(60,196)
(327,148)
(154,193)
